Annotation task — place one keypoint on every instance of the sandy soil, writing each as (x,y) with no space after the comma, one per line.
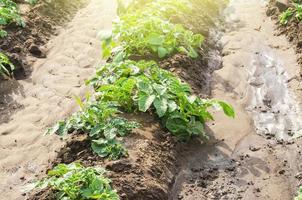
(46,96)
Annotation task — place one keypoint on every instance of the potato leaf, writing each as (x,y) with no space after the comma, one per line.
(145,101)
(227,109)
(161,106)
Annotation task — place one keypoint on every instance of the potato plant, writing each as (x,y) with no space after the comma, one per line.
(9,13)
(195,15)
(146,35)
(99,120)
(6,67)
(143,85)
(74,182)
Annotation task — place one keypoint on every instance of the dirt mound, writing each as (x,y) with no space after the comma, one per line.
(148,172)
(292,30)
(196,72)
(42,22)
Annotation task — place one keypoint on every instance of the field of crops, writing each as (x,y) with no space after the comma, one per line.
(150,99)
(133,81)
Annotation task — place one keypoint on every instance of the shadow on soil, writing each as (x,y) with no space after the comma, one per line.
(8,105)
(213,170)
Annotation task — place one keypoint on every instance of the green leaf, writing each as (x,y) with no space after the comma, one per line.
(99,147)
(161,106)
(160,89)
(197,128)
(110,133)
(79,101)
(105,35)
(144,86)
(155,39)
(192,53)
(108,148)
(191,99)
(145,101)
(176,125)
(172,106)
(162,52)
(95,131)
(227,109)
(60,129)
(119,57)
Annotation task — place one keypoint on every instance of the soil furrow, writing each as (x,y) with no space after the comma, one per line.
(47,96)
(245,157)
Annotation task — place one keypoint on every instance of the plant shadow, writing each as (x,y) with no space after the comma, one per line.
(8,104)
(212,165)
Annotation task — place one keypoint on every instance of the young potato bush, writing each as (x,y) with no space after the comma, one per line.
(74,182)
(144,85)
(6,67)
(146,35)
(99,121)
(195,15)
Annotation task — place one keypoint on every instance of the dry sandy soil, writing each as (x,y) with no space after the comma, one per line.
(254,156)
(46,96)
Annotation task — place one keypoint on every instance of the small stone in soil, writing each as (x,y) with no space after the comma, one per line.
(253,148)
(36,51)
(282,171)
(230,168)
(299,176)
(202,184)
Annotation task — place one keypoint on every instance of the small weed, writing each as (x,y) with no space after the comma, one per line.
(293,11)
(286,16)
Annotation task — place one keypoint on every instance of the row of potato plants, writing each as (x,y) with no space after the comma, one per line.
(133,81)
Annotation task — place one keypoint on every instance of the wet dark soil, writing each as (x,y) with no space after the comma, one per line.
(292,30)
